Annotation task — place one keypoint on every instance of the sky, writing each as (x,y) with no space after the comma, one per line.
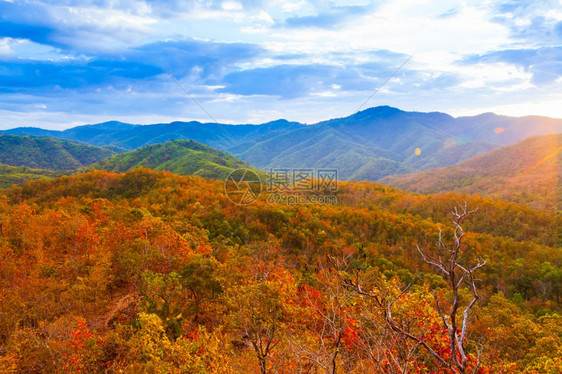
(70,62)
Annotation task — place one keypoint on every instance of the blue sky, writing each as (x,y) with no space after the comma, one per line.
(70,62)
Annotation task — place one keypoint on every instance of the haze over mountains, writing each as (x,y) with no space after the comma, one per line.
(368,145)
(528,172)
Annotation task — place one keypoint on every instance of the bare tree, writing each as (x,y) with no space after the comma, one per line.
(457,276)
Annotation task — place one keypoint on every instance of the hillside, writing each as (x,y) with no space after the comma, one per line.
(47,153)
(153,272)
(368,145)
(183,157)
(528,172)
(10,175)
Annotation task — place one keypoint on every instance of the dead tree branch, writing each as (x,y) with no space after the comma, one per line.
(457,276)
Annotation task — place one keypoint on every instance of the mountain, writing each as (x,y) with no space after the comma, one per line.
(384,140)
(365,146)
(10,175)
(41,152)
(184,157)
(528,172)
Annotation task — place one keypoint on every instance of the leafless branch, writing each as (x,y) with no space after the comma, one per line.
(457,277)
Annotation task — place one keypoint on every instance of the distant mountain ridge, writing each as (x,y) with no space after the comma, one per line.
(129,136)
(527,172)
(370,144)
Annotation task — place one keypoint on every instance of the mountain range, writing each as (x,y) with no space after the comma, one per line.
(368,145)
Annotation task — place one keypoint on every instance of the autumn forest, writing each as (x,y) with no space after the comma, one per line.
(280,187)
(152,272)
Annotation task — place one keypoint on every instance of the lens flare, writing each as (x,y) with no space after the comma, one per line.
(417,151)
(499,130)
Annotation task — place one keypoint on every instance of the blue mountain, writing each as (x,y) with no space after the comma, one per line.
(367,145)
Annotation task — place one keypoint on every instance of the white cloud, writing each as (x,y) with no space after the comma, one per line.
(495,76)
(442,34)
(231,5)
(5,47)
(292,6)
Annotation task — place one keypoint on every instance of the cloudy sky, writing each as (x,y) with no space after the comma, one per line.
(70,62)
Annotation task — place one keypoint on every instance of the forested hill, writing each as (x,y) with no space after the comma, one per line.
(528,172)
(10,175)
(48,153)
(183,157)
